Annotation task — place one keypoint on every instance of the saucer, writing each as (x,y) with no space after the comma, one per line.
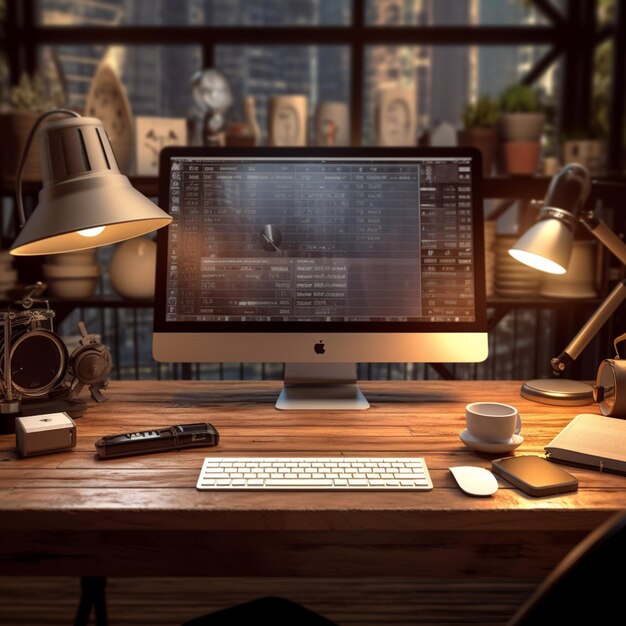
(495,448)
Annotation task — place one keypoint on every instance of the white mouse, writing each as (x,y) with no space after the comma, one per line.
(475,481)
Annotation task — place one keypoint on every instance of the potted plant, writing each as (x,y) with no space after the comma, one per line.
(26,101)
(521,125)
(480,131)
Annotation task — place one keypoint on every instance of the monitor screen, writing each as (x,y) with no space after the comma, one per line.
(271,247)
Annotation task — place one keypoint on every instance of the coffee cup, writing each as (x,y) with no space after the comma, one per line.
(492,422)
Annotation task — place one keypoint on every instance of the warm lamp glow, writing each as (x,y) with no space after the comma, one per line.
(537,261)
(91,232)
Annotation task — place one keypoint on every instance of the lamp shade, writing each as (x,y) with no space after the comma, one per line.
(545,246)
(85,201)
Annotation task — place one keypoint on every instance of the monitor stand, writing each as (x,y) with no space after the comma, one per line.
(321,386)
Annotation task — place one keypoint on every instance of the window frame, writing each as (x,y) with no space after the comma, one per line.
(572,33)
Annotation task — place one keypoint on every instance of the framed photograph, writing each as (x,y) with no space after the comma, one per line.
(396,117)
(287,117)
(151,135)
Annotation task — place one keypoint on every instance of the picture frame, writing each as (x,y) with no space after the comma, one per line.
(396,116)
(152,134)
(288,117)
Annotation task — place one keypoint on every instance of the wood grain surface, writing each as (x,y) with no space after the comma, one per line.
(168,601)
(70,513)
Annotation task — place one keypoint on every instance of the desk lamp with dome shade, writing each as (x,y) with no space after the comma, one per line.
(85,202)
(547,246)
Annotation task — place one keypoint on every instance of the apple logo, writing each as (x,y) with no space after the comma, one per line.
(319,347)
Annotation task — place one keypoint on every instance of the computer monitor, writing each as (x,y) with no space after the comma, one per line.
(320,258)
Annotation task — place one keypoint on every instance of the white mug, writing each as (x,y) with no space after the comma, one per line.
(492,422)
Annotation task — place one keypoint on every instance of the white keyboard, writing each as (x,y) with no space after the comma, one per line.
(321,473)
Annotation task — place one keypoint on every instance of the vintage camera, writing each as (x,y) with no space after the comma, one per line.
(37,372)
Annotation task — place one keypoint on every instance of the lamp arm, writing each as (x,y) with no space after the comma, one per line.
(24,156)
(604,235)
(590,328)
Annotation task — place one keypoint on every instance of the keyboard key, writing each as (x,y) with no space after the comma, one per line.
(285,482)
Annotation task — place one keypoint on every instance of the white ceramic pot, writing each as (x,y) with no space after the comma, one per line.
(82,257)
(71,281)
(133,267)
(522,126)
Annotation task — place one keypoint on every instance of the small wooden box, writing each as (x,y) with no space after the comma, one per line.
(42,434)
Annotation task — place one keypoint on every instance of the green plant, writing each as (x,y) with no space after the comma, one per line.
(520,99)
(576,134)
(484,113)
(35,95)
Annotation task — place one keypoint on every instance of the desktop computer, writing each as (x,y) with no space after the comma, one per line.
(320,258)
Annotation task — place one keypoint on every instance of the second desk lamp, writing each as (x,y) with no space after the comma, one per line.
(547,246)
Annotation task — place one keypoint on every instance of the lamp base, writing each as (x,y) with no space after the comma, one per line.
(558,391)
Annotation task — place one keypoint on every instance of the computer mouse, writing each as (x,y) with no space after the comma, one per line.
(475,481)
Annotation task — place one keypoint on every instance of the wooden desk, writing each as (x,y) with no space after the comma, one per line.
(68,514)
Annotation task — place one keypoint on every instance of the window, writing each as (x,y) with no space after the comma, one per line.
(448,51)
(311,49)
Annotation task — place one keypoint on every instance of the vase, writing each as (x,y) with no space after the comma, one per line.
(133,268)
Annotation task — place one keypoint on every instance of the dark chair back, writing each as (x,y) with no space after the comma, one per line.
(587,587)
(269,610)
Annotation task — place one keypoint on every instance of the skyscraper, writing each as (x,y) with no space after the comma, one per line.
(319,72)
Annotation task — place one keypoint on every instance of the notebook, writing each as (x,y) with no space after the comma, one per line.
(594,441)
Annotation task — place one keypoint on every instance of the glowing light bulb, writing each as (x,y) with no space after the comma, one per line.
(91,232)
(537,262)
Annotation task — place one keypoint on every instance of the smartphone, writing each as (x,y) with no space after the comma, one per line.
(534,475)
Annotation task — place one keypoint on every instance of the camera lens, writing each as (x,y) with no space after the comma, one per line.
(38,362)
